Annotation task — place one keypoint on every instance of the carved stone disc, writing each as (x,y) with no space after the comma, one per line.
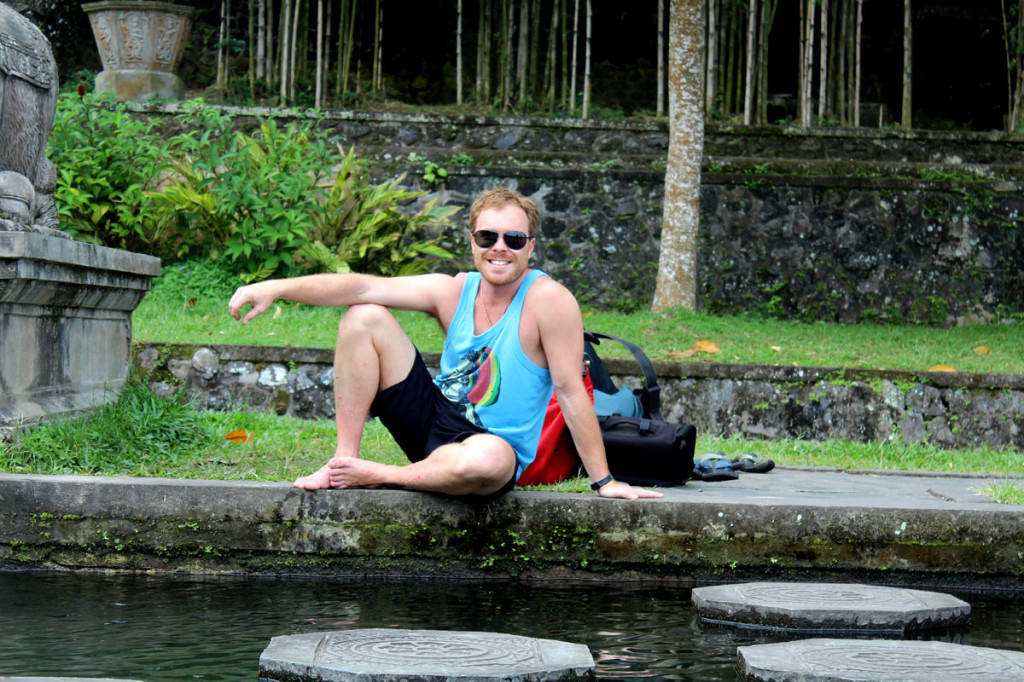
(841,660)
(833,607)
(386,654)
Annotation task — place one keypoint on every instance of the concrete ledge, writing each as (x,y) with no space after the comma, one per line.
(790,524)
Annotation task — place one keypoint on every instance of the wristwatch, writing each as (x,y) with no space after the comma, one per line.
(603,482)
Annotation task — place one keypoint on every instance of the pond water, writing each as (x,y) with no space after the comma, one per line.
(162,629)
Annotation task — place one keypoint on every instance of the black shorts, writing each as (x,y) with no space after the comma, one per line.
(421,419)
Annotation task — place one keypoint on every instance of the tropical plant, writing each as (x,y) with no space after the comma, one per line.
(250,203)
(360,227)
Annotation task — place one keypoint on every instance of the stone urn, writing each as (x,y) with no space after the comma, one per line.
(140,43)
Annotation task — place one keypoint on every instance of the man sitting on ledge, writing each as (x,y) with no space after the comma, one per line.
(512,336)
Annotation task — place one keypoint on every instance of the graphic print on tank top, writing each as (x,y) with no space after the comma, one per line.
(476,382)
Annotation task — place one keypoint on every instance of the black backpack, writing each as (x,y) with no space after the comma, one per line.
(642,449)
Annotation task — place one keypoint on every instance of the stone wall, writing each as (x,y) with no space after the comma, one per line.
(949,410)
(818,224)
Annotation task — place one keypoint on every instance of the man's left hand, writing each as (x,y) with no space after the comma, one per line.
(624,491)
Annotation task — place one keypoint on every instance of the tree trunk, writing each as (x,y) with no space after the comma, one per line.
(659,107)
(823,64)
(536,86)
(284,62)
(677,261)
(375,73)
(575,51)
(293,56)
(551,72)
(506,54)
(711,60)
(252,51)
(586,67)
(809,66)
(768,8)
(856,77)
(908,42)
(318,91)
(523,50)
(261,39)
(458,53)
(748,78)
(222,41)
(270,68)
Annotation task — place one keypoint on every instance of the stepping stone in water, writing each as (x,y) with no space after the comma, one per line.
(382,655)
(831,607)
(842,660)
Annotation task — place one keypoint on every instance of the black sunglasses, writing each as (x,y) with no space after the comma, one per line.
(485,239)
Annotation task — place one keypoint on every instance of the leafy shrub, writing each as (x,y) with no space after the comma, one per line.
(106,160)
(358,227)
(250,201)
(252,204)
(192,280)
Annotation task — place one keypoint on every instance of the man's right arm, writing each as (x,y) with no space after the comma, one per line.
(424,293)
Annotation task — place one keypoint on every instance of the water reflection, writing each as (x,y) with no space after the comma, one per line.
(159,629)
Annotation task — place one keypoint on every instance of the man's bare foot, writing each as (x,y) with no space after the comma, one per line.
(352,472)
(316,481)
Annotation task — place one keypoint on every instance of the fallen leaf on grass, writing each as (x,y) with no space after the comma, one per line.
(777,349)
(942,368)
(697,347)
(239,436)
(982,350)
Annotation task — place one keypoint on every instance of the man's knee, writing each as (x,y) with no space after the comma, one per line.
(359,319)
(487,459)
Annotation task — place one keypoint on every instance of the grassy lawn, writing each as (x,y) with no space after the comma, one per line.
(145,436)
(664,336)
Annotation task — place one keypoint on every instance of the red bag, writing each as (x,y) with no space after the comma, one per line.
(556,458)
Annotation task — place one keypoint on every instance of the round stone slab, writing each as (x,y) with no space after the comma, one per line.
(829,607)
(857,660)
(383,655)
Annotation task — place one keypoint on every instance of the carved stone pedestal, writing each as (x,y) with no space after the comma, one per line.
(65,324)
(140,44)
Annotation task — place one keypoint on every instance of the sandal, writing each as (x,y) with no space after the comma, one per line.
(713,466)
(750,463)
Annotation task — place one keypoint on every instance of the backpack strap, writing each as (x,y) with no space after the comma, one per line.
(650,397)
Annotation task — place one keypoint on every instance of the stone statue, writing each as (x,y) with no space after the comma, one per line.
(28,101)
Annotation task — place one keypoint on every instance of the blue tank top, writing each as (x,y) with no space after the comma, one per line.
(489,376)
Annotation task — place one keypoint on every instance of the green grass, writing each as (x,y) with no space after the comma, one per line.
(198,313)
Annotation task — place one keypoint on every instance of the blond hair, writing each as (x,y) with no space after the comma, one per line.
(497,198)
